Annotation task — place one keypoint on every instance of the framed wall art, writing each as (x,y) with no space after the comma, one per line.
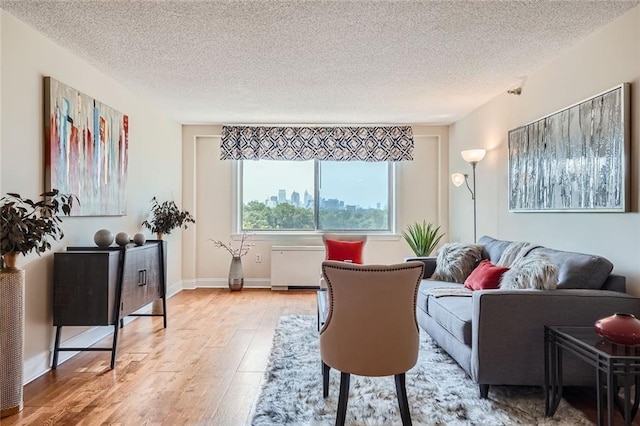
(574,160)
(86,153)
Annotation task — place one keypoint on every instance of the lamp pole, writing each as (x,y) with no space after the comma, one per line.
(471,156)
(473,197)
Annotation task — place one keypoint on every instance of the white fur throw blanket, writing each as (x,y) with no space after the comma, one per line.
(449,291)
(514,252)
(527,271)
(456,261)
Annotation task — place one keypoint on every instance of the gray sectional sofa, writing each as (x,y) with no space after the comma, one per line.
(497,336)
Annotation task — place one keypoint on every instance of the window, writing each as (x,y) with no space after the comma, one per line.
(316,195)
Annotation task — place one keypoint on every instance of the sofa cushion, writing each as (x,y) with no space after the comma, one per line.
(453,313)
(577,270)
(456,261)
(493,247)
(424,291)
(485,276)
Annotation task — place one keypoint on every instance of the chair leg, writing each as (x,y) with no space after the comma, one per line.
(403,403)
(343,398)
(484,391)
(325,380)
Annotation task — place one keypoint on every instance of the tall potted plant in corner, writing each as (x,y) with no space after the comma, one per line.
(423,238)
(166,217)
(25,226)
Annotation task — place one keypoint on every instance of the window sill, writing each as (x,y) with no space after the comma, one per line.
(306,236)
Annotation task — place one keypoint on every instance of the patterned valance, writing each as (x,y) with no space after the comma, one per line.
(392,143)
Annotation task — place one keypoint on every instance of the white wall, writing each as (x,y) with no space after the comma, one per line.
(155,143)
(607,58)
(422,194)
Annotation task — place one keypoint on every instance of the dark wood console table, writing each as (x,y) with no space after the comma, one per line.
(94,286)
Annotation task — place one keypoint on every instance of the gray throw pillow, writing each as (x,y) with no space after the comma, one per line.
(456,261)
(531,272)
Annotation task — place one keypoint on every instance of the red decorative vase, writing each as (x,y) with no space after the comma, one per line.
(620,328)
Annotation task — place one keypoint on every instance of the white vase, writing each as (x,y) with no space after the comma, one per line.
(236,274)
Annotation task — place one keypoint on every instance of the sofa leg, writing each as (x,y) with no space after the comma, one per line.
(484,391)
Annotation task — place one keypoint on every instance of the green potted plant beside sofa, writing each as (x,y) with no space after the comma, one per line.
(423,238)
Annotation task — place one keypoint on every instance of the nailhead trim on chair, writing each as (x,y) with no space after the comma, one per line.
(363,268)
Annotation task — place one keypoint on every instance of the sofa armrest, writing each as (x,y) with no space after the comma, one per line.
(429,265)
(508,328)
(616,283)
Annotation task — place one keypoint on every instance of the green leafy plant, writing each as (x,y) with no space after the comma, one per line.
(422,237)
(167,217)
(28,225)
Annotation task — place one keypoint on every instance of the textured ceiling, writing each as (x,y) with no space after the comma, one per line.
(329,62)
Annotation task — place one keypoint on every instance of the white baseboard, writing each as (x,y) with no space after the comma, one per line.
(189,284)
(224,283)
(175,288)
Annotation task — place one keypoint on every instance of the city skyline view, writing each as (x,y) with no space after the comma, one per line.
(354,183)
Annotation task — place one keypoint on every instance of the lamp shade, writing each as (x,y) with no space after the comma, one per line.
(458,179)
(473,155)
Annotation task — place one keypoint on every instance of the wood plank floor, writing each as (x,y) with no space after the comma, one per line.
(204,369)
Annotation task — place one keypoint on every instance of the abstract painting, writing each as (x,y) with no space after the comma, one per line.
(575,160)
(87,145)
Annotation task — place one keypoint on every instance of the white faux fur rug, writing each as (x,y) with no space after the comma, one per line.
(438,390)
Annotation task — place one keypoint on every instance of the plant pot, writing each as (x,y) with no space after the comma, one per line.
(619,328)
(429,264)
(236,274)
(159,235)
(10,260)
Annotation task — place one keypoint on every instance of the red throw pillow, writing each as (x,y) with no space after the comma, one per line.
(485,276)
(344,250)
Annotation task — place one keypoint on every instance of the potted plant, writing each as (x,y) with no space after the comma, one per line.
(25,226)
(423,238)
(167,217)
(28,226)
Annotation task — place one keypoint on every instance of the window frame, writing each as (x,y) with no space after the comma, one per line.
(392,191)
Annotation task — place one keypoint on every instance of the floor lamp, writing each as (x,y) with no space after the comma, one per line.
(471,156)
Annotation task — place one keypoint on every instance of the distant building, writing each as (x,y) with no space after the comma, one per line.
(350,207)
(295,198)
(272,202)
(307,200)
(331,204)
(282,196)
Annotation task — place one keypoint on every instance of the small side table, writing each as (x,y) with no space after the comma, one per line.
(617,366)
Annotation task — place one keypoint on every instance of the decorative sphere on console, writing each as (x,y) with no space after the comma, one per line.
(103,238)
(139,239)
(122,238)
